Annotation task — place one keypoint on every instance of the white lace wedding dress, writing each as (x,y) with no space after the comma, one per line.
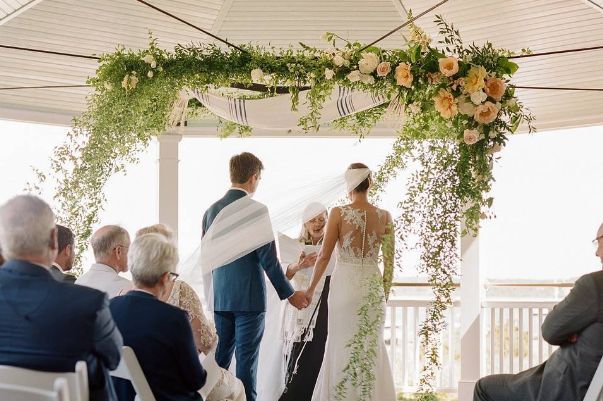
(356,366)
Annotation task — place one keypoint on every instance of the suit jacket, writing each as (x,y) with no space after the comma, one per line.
(58,274)
(569,370)
(240,286)
(50,325)
(162,339)
(104,278)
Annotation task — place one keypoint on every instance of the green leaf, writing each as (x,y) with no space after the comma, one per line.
(506,66)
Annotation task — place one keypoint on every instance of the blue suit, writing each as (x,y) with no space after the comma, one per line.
(162,339)
(50,325)
(240,301)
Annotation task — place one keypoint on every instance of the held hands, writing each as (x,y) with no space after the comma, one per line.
(298,299)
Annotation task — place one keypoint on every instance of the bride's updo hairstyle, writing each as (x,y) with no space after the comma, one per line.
(364,185)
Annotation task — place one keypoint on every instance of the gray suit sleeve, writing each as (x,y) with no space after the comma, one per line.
(107,338)
(572,315)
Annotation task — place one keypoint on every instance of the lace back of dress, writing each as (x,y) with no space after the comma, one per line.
(361,234)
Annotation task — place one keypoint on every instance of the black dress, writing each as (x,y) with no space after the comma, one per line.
(300,386)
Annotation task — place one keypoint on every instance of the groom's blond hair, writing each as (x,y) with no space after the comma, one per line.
(243,166)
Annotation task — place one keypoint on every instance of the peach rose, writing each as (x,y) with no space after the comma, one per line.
(495,88)
(485,113)
(449,66)
(475,79)
(403,75)
(383,68)
(445,104)
(470,136)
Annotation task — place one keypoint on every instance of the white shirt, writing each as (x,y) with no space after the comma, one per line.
(104,278)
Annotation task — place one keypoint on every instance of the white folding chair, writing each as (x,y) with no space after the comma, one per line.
(77,382)
(60,392)
(130,369)
(594,392)
(213,373)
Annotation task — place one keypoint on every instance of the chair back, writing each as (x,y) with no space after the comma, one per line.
(77,382)
(213,373)
(594,392)
(12,392)
(130,369)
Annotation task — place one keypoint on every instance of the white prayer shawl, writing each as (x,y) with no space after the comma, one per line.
(274,113)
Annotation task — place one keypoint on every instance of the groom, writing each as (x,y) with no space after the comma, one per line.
(239,286)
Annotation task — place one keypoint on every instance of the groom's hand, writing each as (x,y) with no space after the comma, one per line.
(298,299)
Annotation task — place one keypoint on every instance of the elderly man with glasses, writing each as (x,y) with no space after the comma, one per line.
(576,326)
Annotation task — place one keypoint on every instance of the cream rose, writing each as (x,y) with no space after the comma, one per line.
(445,104)
(329,73)
(384,68)
(485,113)
(466,107)
(338,60)
(368,62)
(354,76)
(130,81)
(475,79)
(495,88)
(148,59)
(150,74)
(478,97)
(448,66)
(367,79)
(403,75)
(470,136)
(257,75)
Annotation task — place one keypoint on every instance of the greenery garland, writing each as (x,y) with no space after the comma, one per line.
(456,104)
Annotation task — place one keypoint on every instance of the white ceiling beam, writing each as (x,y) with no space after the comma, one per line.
(18,11)
(596,4)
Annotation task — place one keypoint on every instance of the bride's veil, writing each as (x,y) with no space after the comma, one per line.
(244,226)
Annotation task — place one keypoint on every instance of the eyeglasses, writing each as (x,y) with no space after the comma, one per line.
(173,276)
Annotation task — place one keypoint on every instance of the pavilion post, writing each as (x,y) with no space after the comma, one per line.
(471,321)
(168,179)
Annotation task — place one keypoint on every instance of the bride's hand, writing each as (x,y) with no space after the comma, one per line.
(309,295)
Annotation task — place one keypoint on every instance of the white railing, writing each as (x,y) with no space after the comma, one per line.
(512,337)
(403,322)
(512,340)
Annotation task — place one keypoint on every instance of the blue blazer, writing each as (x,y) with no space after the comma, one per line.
(50,325)
(240,286)
(162,339)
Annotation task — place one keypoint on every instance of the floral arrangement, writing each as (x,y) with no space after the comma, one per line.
(455,103)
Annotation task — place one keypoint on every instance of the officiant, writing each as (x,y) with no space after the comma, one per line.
(305,330)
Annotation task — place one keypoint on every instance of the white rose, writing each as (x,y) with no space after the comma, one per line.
(133,81)
(511,102)
(338,60)
(329,73)
(150,74)
(268,78)
(478,97)
(149,59)
(354,76)
(367,79)
(160,68)
(465,106)
(368,62)
(257,75)
(153,64)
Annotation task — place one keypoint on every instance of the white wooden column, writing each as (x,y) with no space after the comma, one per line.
(168,179)
(471,327)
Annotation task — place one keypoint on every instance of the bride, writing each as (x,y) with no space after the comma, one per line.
(355,365)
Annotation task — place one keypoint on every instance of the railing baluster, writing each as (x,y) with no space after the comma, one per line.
(492,338)
(520,339)
(501,343)
(451,347)
(540,337)
(531,337)
(404,345)
(416,348)
(393,339)
(511,335)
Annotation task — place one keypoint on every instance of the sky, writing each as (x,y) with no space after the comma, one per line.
(548,190)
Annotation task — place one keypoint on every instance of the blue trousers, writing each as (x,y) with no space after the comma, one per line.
(242,331)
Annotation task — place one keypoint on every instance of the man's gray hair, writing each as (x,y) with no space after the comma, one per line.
(106,238)
(26,222)
(150,257)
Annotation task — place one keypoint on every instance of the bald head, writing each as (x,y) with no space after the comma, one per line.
(27,230)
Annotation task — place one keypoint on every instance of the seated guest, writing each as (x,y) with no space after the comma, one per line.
(46,324)
(110,246)
(182,295)
(576,326)
(159,333)
(65,257)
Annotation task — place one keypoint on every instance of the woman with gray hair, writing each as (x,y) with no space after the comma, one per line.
(159,333)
